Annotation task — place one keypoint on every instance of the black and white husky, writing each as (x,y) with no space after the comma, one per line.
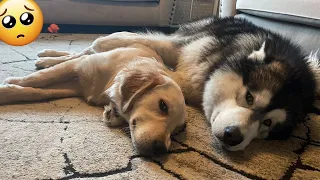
(251,83)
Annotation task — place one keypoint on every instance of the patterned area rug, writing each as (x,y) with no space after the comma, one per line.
(66,139)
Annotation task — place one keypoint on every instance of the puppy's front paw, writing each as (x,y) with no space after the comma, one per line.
(7,93)
(40,64)
(12,80)
(111,116)
(45,53)
(44,62)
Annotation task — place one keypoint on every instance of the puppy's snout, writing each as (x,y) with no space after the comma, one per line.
(232,136)
(161,146)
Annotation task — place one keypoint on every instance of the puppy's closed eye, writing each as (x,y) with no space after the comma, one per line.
(163,107)
(134,122)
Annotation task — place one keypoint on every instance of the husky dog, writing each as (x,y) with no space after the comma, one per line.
(256,84)
(251,83)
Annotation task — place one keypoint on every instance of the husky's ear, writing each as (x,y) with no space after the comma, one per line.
(260,54)
(314,64)
(264,52)
(136,83)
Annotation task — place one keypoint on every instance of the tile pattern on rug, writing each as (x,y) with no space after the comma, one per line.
(66,139)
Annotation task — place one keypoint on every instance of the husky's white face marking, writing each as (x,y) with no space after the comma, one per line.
(235,113)
(276,116)
(258,55)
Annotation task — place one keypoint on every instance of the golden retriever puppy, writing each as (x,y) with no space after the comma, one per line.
(131,82)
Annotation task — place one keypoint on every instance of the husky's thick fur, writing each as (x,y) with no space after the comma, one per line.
(252,83)
(257,83)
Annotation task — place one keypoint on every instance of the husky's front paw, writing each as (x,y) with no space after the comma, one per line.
(111,116)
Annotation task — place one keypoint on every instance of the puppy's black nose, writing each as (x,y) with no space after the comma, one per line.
(159,147)
(232,136)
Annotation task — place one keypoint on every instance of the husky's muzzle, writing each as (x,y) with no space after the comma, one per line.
(234,128)
(232,136)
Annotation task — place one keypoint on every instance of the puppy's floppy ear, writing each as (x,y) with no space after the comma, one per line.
(136,83)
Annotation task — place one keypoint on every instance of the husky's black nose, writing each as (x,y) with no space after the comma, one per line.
(232,136)
(159,147)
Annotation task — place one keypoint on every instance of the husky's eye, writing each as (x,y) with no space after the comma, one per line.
(163,106)
(249,98)
(267,122)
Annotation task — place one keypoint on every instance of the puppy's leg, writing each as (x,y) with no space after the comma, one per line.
(163,45)
(52,53)
(111,116)
(54,75)
(13,93)
(46,61)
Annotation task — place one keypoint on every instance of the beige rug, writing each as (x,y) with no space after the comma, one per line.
(65,139)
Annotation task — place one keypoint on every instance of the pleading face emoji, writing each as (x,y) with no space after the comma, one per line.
(21,21)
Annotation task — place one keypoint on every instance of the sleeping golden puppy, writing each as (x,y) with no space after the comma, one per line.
(131,82)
